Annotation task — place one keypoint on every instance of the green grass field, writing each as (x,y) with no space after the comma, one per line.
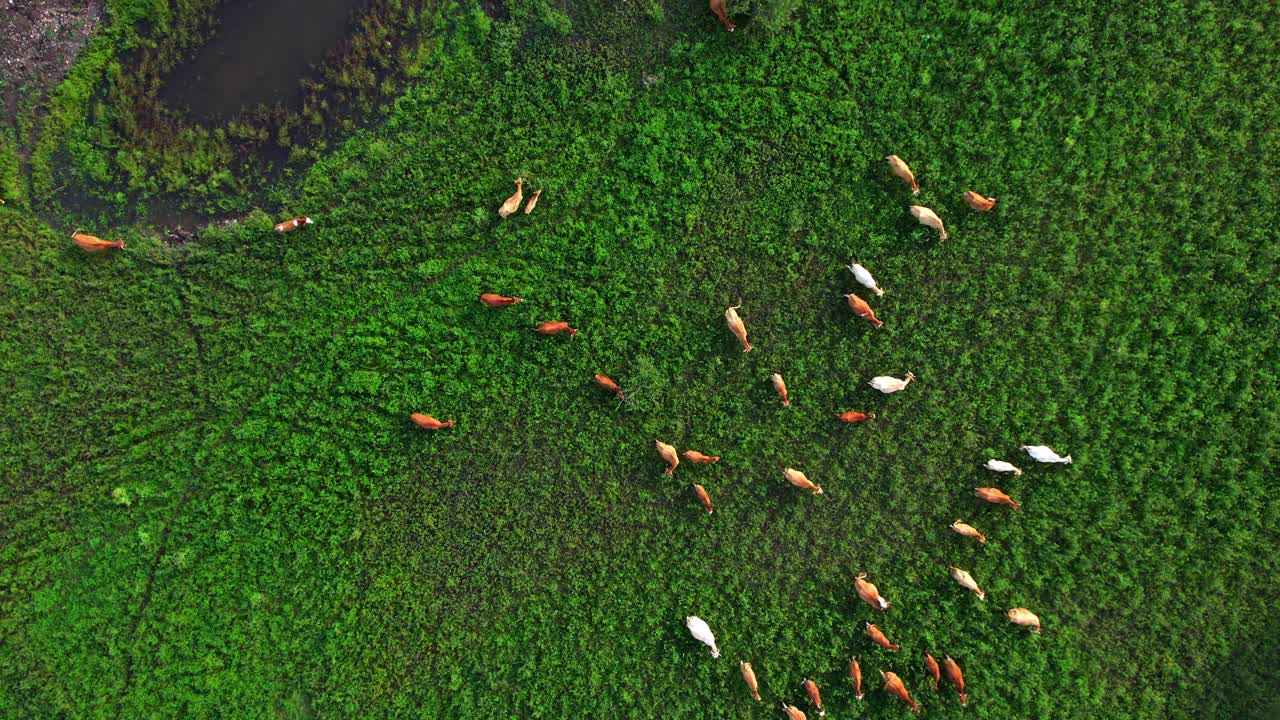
(215,505)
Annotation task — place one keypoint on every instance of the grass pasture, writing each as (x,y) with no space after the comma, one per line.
(215,506)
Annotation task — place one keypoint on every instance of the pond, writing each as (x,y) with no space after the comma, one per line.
(259,52)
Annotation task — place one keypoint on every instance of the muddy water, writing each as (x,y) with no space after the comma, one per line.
(259,52)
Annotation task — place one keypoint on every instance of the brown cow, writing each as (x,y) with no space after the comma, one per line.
(426,422)
(717,7)
(811,688)
(555,328)
(781,387)
(955,676)
(853,416)
(878,638)
(993,495)
(869,593)
(607,383)
(893,684)
(863,310)
(855,676)
(289,226)
(931,666)
(701,492)
(493,300)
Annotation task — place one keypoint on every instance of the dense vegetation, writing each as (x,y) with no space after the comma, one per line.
(215,504)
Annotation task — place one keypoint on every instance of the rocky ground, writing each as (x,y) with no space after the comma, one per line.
(39,39)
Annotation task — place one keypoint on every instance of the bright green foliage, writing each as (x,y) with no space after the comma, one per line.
(292,546)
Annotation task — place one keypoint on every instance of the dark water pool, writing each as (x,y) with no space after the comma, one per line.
(259,52)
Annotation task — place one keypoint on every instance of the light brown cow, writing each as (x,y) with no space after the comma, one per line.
(1025,618)
(695,456)
(426,422)
(89,243)
(797,478)
(878,638)
(863,310)
(929,218)
(701,492)
(793,712)
(968,530)
(992,495)
(869,593)
(899,168)
(749,676)
(512,203)
(955,676)
(781,387)
(533,202)
(893,685)
(966,581)
(737,327)
(668,453)
(555,328)
(717,8)
(979,203)
(493,300)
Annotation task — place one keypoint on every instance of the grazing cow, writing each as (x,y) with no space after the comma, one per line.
(426,422)
(607,383)
(717,7)
(979,203)
(512,203)
(886,384)
(1002,466)
(869,593)
(993,495)
(533,202)
(1025,618)
(793,712)
(89,243)
(878,638)
(1043,454)
(968,530)
(899,168)
(797,478)
(853,416)
(929,218)
(493,300)
(863,276)
(855,676)
(893,684)
(701,492)
(668,453)
(931,667)
(967,582)
(781,387)
(695,456)
(737,327)
(811,688)
(749,676)
(702,633)
(955,676)
(289,226)
(863,310)
(555,328)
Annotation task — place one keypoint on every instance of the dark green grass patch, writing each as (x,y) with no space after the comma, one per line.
(287,544)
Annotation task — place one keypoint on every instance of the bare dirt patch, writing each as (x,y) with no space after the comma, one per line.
(39,39)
